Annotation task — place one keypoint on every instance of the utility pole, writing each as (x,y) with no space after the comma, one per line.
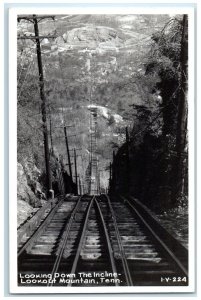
(43,104)
(35,20)
(110,179)
(80,186)
(68,153)
(113,171)
(75,163)
(98,184)
(51,140)
(127,161)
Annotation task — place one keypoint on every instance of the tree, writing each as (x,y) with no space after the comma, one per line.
(169,60)
(158,139)
(180,166)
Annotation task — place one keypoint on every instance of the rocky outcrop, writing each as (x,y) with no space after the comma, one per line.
(27,185)
(29,191)
(33,174)
(24,210)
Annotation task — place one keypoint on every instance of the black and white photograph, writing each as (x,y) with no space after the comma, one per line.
(102,136)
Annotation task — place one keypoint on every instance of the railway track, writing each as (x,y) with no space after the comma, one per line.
(92,241)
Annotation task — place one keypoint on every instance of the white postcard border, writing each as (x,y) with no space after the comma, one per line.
(14,288)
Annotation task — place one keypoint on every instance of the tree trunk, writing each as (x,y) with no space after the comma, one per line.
(182,116)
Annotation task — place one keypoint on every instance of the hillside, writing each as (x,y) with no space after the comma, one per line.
(92,60)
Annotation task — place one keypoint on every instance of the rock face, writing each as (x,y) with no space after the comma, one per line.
(29,190)
(24,191)
(24,211)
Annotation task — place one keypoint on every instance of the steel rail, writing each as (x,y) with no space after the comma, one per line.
(66,235)
(40,229)
(75,262)
(164,246)
(121,247)
(110,250)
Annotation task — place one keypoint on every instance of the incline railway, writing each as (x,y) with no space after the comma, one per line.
(94,240)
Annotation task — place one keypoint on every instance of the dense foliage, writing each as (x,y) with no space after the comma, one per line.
(155,164)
